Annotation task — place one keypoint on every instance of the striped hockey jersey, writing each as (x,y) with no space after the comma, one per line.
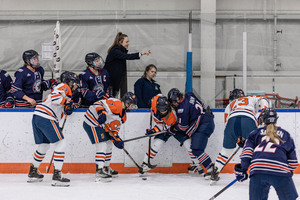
(163,122)
(53,106)
(264,157)
(246,106)
(116,115)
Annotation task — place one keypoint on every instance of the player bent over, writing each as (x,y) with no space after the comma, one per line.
(165,117)
(270,156)
(196,122)
(46,129)
(111,113)
(240,118)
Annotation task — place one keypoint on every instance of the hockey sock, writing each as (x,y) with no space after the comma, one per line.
(203,158)
(157,143)
(108,153)
(59,154)
(39,154)
(100,154)
(222,158)
(187,145)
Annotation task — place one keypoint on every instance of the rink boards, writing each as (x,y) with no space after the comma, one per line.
(17,144)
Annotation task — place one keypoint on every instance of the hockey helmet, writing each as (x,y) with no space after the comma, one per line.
(90,60)
(269,116)
(28,55)
(174,95)
(69,77)
(129,98)
(236,93)
(162,105)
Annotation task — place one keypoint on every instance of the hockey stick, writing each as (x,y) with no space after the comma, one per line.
(107,127)
(144,136)
(225,188)
(62,128)
(149,144)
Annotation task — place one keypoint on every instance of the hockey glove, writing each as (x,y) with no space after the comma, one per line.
(153,130)
(118,142)
(172,130)
(69,107)
(240,174)
(241,142)
(102,117)
(9,103)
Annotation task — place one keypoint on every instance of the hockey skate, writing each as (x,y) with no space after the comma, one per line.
(34,175)
(102,176)
(110,171)
(209,172)
(57,180)
(214,176)
(195,168)
(146,167)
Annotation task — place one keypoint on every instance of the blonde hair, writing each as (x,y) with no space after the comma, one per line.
(271,132)
(148,68)
(118,40)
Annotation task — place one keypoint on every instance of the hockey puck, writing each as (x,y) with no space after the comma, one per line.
(144,178)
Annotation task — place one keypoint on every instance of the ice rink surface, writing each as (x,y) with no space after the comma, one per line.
(126,187)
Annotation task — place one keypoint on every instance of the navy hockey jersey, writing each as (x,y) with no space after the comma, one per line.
(29,83)
(264,157)
(5,85)
(189,113)
(91,83)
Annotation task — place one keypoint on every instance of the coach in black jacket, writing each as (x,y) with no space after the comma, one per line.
(115,63)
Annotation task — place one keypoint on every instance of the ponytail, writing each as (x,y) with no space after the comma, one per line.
(118,40)
(271,132)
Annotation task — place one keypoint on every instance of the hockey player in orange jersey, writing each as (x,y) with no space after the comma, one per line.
(111,113)
(46,130)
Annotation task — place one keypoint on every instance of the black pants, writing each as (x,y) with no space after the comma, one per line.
(122,87)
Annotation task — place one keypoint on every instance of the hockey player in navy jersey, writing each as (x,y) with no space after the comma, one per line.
(46,129)
(94,80)
(6,101)
(196,122)
(29,83)
(270,156)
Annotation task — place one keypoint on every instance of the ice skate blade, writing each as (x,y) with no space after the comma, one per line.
(34,180)
(103,180)
(60,184)
(213,182)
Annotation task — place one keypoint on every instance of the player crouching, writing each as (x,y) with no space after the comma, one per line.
(46,129)
(102,123)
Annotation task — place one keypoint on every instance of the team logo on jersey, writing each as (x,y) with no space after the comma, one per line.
(28,75)
(37,86)
(98,87)
(180,110)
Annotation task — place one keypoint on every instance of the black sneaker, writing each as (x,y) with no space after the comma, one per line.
(111,172)
(103,176)
(57,180)
(34,175)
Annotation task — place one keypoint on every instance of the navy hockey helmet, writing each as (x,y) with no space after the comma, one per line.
(174,95)
(90,60)
(67,77)
(269,116)
(236,93)
(28,55)
(129,98)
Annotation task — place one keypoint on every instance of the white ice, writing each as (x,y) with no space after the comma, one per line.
(125,187)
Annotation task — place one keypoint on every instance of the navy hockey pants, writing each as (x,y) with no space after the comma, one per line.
(260,186)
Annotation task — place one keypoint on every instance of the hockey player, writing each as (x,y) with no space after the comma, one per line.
(196,122)
(29,83)
(6,101)
(111,113)
(270,156)
(94,80)
(46,129)
(240,118)
(165,117)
